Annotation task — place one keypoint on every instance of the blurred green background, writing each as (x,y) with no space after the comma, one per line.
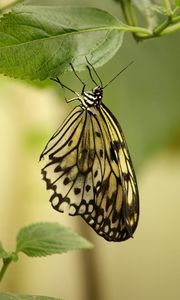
(146,101)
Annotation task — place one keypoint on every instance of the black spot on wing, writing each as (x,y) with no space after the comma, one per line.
(115,216)
(113,153)
(77,191)
(66,181)
(116,145)
(110,201)
(88,187)
(98,185)
(98,134)
(101,153)
(126,176)
(57,169)
(70,143)
(96,173)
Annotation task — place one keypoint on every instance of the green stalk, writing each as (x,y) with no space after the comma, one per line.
(128,12)
(129,15)
(134,29)
(171,29)
(175,20)
(132,16)
(6,262)
(125,14)
(170,25)
(167,7)
(162,26)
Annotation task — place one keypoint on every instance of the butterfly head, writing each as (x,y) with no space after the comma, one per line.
(98,92)
(94,97)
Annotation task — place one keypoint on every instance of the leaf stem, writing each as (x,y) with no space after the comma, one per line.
(135,29)
(167,7)
(170,29)
(141,33)
(175,20)
(6,262)
(132,16)
(162,26)
(129,14)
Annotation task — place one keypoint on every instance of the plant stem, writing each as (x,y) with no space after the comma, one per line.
(167,7)
(128,12)
(132,16)
(129,15)
(162,26)
(6,262)
(141,33)
(126,17)
(135,29)
(171,29)
(175,20)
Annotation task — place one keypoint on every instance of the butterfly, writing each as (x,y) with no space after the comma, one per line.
(89,169)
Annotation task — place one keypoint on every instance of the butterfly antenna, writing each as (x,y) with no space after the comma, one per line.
(90,74)
(75,73)
(94,72)
(118,74)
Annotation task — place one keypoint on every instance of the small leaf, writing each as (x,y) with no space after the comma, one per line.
(159,9)
(9,296)
(3,253)
(43,239)
(39,42)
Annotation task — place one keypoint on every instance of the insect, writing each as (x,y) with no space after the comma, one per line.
(89,170)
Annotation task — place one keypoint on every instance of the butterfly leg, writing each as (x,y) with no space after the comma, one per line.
(68,88)
(72,99)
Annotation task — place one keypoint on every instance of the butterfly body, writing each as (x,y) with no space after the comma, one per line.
(89,170)
(91,98)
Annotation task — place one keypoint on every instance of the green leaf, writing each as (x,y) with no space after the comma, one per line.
(3,253)
(39,42)
(43,239)
(10,296)
(159,9)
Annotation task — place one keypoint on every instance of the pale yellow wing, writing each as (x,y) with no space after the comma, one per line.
(89,173)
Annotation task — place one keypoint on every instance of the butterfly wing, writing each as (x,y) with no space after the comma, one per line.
(61,172)
(90,173)
(70,163)
(118,197)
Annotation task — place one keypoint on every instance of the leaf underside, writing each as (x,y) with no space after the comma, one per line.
(39,42)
